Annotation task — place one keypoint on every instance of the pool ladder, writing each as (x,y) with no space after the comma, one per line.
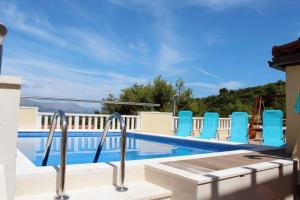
(120,185)
(60,193)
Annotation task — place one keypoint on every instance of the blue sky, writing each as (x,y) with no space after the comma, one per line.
(88,49)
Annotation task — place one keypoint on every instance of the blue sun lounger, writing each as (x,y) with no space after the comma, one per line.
(272,128)
(239,127)
(210,125)
(185,123)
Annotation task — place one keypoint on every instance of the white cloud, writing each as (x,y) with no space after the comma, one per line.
(139,47)
(214,87)
(142,5)
(171,50)
(32,23)
(100,47)
(44,77)
(220,4)
(88,42)
(232,85)
(169,60)
(78,11)
(209,74)
(138,5)
(214,39)
(203,85)
(117,2)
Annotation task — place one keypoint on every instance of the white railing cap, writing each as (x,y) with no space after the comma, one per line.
(85,115)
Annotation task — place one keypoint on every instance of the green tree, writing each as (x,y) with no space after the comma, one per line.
(108,108)
(162,93)
(183,96)
(135,93)
(158,91)
(227,101)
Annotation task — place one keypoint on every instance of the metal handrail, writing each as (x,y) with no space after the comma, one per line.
(60,194)
(120,185)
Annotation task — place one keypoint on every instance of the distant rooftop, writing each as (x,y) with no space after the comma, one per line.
(285,55)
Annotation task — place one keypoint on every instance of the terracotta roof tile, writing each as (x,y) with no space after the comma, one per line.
(286,55)
(286,49)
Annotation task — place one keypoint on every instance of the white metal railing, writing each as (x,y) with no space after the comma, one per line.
(224,123)
(89,121)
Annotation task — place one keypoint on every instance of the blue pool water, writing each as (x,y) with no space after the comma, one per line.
(82,147)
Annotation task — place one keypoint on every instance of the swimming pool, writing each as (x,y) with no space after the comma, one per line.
(82,146)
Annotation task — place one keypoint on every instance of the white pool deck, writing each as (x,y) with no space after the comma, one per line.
(146,179)
(138,191)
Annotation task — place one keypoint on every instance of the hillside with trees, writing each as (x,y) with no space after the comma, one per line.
(227,101)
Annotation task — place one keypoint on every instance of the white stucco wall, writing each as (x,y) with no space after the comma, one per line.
(292,118)
(28,118)
(9,111)
(157,122)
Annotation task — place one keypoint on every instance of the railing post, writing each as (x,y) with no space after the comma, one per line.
(76,122)
(101,123)
(113,124)
(45,122)
(70,119)
(118,125)
(131,123)
(89,123)
(83,122)
(201,123)
(38,121)
(96,123)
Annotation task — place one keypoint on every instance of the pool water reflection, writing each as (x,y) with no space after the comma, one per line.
(81,149)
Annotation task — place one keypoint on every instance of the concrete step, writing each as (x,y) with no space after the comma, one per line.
(137,191)
(42,180)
